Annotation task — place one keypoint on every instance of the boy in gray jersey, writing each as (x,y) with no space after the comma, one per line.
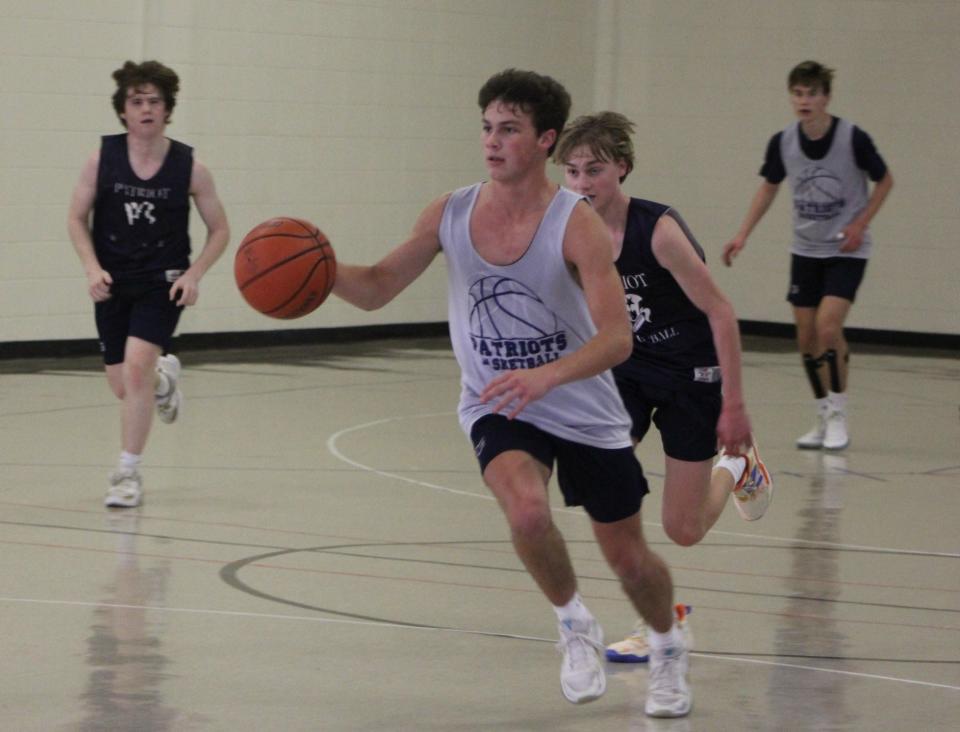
(537,320)
(827,160)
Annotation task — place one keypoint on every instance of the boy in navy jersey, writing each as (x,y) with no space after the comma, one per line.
(686,345)
(827,160)
(136,255)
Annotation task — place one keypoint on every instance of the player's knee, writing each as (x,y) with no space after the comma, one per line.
(684,531)
(137,376)
(830,335)
(529,518)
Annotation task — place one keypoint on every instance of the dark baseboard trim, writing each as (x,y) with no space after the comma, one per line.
(265,338)
(893,338)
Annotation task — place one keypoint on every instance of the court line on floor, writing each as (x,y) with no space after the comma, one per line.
(337,453)
(463,631)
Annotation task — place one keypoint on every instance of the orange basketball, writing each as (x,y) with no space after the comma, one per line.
(285,267)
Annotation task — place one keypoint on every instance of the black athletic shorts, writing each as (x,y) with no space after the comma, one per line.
(609,484)
(811,278)
(142,310)
(687,419)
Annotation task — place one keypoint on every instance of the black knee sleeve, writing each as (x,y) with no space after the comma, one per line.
(830,356)
(812,365)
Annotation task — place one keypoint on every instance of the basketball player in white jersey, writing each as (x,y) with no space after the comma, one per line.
(827,161)
(129,223)
(537,320)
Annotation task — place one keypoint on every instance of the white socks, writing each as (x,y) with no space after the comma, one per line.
(659,642)
(836,402)
(128,461)
(574,610)
(734,464)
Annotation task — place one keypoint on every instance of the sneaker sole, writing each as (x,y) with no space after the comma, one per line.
(615,657)
(669,713)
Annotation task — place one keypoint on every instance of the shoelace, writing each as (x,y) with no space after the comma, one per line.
(577,646)
(666,674)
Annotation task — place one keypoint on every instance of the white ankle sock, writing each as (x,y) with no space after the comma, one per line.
(736,465)
(837,402)
(659,642)
(573,610)
(128,461)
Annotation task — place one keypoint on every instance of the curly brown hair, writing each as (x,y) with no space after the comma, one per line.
(133,75)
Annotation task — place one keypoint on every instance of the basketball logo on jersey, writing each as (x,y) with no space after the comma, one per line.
(511,327)
(638,315)
(818,195)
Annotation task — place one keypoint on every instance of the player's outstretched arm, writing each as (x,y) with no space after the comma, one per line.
(371,287)
(758,207)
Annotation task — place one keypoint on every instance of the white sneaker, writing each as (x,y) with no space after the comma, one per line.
(813,440)
(582,677)
(635,649)
(668,693)
(168,405)
(753,491)
(126,489)
(836,436)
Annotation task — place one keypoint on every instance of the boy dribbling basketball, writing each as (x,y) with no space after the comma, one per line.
(536,386)
(136,256)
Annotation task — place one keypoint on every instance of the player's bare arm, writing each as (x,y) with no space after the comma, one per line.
(371,287)
(854,231)
(186,289)
(676,253)
(758,207)
(78,227)
(587,249)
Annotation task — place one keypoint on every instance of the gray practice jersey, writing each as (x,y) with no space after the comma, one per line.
(524,315)
(827,194)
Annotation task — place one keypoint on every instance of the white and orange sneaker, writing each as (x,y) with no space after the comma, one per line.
(635,649)
(754,490)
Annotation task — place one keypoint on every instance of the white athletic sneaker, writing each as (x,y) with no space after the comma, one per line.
(635,649)
(668,693)
(582,677)
(836,436)
(168,405)
(126,489)
(753,491)
(813,440)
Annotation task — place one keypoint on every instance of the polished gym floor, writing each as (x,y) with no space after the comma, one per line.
(316,551)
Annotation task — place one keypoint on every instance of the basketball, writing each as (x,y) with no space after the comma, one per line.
(285,267)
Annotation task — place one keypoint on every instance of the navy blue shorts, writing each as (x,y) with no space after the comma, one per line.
(687,419)
(142,310)
(812,278)
(609,484)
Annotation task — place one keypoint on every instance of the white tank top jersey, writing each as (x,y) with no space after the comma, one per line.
(523,315)
(827,194)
